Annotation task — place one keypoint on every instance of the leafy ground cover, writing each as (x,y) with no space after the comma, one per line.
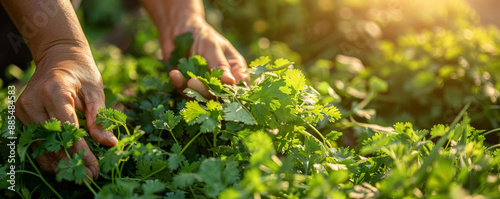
(257,140)
(354,110)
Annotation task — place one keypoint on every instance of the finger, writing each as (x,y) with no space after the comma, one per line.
(49,160)
(216,59)
(200,87)
(178,80)
(93,100)
(62,107)
(237,63)
(167,46)
(27,110)
(89,158)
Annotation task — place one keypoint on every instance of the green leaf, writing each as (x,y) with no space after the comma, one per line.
(194,64)
(175,195)
(333,136)
(175,159)
(110,118)
(332,113)
(168,121)
(70,134)
(52,125)
(51,144)
(378,85)
(73,170)
(295,79)
(182,44)
(26,140)
(208,124)
(150,187)
(192,111)
(146,167)
(260,61)
(237,113)
(194,94)
(182,180)
(217,174)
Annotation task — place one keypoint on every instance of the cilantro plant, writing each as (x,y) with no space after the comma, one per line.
(257,140)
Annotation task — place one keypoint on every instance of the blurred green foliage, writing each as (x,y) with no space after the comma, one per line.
(379,61)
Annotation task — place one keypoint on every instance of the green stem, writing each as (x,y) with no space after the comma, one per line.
(491,131)
(192,192)
(279,67)
(435,151)
(159,138)
(189,143)
(43,179)
(90,188)
(494,146)
(214,141)
(126,129)
(121,169)
(118,172)
(93,182)
(119,133)
(208,141)
(320,135)
(112,176)
(172,133)
(153,173)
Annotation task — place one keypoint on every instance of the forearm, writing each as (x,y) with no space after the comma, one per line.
(168,13)
(50,27)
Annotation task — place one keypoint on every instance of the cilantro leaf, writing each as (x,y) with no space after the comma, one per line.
(150,187)
(194,64)
(192,111)
(73,170)
(194,94)
(237,113)
(110,118)
(168,121)
(182,180)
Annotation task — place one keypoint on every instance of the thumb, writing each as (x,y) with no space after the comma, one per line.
(94,101)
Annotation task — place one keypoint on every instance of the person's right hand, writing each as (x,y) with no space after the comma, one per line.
(62,82)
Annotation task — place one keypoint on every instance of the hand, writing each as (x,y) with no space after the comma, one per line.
(174,17)
(62,82)
(215,48)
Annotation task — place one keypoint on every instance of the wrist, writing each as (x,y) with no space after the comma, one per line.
(63,52)
(175,17)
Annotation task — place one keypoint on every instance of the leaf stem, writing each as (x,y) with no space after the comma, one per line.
(126,129)
(494,146)
(112,176)
(491,131)
(152,173)
(172,133)
(192,192)
(159,138)
(320,135)
(43,179)
(93,182)
(90,188)
(435,150)
(189,143)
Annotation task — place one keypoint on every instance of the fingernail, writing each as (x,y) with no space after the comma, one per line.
(111,138)
(231,79)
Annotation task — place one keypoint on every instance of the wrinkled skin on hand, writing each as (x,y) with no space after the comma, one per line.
(58,86)
(210,44)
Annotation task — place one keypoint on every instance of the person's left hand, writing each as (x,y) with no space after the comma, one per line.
(173,18)
(212,46)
